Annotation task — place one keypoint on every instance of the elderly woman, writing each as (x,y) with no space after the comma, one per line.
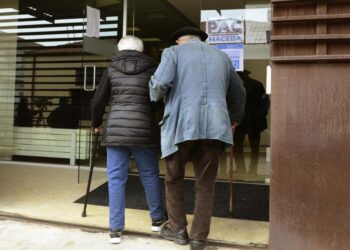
(129,130)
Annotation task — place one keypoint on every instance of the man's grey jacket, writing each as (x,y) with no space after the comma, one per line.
(202,92)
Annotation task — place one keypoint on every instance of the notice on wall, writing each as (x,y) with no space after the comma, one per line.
(225,31)
(93,22)
(235,52)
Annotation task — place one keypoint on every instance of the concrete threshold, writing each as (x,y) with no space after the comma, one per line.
(96,229)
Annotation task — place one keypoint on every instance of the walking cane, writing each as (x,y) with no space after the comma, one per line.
(231,183)
(92,163)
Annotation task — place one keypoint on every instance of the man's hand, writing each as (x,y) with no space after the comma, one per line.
(96,130)
(234,125)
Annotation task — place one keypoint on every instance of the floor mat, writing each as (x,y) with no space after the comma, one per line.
(250,201)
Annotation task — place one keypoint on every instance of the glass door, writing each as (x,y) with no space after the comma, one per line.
(241,29)
(41,54)
(102,26)
(51,59)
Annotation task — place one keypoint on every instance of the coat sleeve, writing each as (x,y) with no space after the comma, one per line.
(162,79)
(100,100)
(236,97)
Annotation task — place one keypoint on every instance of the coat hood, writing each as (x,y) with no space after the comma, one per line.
(132,62)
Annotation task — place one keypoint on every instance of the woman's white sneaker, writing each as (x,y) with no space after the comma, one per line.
(157,224)
(115,236)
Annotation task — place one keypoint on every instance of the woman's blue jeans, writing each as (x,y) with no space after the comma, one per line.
(117,172)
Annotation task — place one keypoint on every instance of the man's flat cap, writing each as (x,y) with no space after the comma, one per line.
(189,30)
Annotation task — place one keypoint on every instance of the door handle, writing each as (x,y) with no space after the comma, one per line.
(93,78)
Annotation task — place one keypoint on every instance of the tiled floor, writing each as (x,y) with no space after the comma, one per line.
(48,193)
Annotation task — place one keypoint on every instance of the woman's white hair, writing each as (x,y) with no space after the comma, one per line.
(130,43)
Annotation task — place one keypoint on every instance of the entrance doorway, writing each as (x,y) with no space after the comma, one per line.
(51,69)
(242,30)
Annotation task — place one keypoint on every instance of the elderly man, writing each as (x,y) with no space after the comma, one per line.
(204,99)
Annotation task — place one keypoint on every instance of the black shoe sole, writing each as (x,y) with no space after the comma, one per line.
(198,247)
(176,240)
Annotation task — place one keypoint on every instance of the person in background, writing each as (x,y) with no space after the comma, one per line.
(254,122)
(204,100)
(64,116)
(129,130)
(24,116)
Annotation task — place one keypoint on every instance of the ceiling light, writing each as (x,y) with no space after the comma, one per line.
(47,14)
(57,43)
(71,20)
(45,30)
(63,28)
(23,16)
(7,10)
(112,18)
(51,36)
(25,23)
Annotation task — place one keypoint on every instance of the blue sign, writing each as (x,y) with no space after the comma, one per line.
(235,52)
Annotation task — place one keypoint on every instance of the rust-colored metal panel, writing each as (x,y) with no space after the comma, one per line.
(294,49)
(338,6)
(310,126)
(300,28)
(297,8)
(310,180)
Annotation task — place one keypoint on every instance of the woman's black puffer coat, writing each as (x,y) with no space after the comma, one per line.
(130,121)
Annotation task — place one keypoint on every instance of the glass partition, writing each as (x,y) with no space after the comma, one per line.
(43,106)
(242,30)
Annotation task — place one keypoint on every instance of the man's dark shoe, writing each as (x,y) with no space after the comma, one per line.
(179,237)
(198,244)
